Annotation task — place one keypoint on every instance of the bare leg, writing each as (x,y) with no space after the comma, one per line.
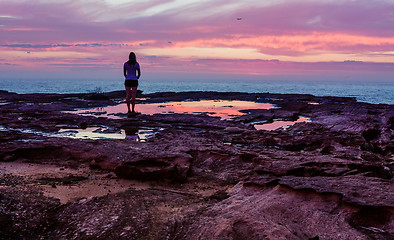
(128,96)
(133,96)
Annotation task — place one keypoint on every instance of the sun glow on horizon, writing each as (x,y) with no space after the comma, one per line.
(192,36)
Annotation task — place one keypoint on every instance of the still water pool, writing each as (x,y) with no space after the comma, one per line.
(224,109)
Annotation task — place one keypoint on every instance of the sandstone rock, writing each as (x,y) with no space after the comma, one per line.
(277,213)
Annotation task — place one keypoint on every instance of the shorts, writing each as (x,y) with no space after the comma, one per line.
(131,83)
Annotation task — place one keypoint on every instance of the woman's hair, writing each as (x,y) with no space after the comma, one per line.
(132,59)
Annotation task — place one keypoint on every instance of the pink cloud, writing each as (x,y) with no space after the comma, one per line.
(294,29)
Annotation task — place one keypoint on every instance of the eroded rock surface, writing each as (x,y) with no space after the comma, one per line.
(199,177)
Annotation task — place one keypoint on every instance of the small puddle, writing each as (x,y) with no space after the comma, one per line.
(3,102)
(314,103)
(25,130)
(225,109)
(136,134)
(280,124)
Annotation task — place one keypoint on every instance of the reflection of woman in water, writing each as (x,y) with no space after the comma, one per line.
(131,72)
(132,133)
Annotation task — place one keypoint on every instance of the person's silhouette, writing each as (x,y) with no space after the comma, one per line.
(131,72)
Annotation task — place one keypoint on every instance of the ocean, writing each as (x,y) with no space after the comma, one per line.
(364,91)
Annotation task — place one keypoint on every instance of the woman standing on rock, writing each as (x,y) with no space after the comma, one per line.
(131,72)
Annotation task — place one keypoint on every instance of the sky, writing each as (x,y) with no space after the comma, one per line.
(189,38)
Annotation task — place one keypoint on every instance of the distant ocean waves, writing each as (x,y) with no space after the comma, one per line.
(372,92)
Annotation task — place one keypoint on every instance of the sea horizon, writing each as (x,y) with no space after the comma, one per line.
(376,92)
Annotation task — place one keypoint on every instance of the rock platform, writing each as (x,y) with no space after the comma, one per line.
(199,177)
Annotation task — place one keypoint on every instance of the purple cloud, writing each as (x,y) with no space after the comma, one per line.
(295,29)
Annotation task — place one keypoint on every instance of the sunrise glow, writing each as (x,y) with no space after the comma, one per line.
(299,37)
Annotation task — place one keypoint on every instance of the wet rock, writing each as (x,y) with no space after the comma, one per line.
(96,96)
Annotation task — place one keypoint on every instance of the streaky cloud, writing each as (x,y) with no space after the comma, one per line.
(60,45)
(278,34)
